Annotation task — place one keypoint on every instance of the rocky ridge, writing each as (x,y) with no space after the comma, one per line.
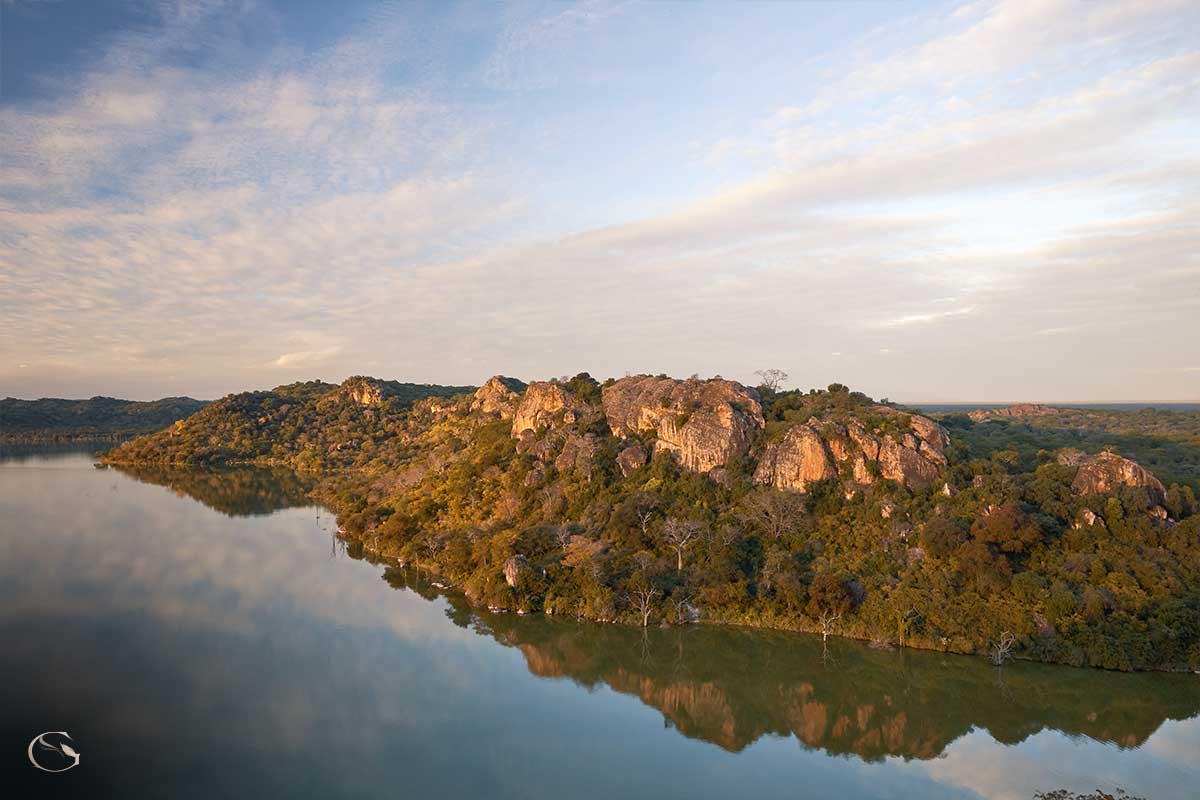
(545,405)
(826,449)
(1008,412)
(500,396)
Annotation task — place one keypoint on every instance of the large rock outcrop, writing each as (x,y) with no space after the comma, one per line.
(702,423)
(1008,412)
(1106,472)
(545,405)
(800,458)
(366,392)
(909,449)
(631,459)
(498,396)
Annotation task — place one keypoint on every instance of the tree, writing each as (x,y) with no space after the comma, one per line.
(777,513)
(723,534)
(942,535)
(1181,501)
(681,599)
(562,535)
(828,621)
(1002,648)
(772,379)
(679,533)
(1008,528)
(989,571)
(829,597)
(641,596)
(644,518)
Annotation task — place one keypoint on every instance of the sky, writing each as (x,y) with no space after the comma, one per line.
(989,201)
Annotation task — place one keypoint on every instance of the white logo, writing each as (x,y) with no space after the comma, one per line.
(63,752)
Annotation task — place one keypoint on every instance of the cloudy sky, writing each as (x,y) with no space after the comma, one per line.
(998,200)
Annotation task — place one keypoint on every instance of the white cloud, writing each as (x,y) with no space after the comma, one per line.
(310,192)
(1017,35)
(925,318)
(306,358)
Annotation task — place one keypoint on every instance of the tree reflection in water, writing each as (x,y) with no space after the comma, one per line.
(235,491)
(730,686)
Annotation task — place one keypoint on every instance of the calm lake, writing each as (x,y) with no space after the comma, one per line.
(203,634)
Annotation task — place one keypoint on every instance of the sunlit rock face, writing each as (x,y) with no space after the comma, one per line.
(498,396)
(801,458)
(631,459)
(363,391)
(911,451)
(701,423)
(1106,472)
(545,405)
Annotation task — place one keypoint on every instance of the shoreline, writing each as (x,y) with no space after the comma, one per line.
(445,586)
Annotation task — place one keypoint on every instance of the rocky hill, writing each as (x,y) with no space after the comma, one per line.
(649,498)
(1009,412)
(300,424)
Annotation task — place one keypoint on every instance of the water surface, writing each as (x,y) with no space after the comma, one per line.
(202,634)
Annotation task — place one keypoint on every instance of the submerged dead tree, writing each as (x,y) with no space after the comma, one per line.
(1002,648)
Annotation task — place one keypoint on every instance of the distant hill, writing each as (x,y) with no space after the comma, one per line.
(299,424)
(55,419)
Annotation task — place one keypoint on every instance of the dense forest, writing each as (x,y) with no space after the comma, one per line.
(51,419)
(648,500)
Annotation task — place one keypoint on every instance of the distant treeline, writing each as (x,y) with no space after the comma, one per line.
(97,418)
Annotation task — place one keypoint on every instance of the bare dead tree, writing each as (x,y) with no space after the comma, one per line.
(642,599)
(775,511)
(828,621)
(1002,648)
(727,534)
(435,545)
(771,378)
(679,533)
(431,548)
(644,518)
(562,535)
(682,601)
